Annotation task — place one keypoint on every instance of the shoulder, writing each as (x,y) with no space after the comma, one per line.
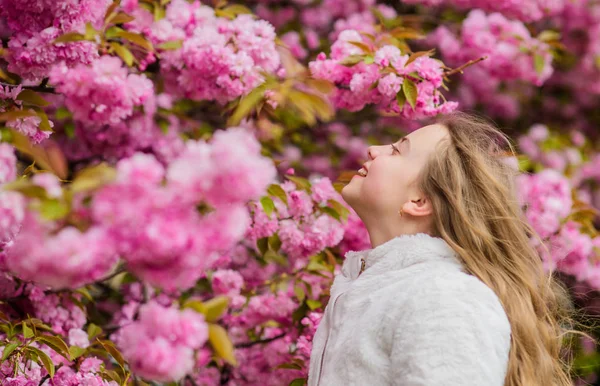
(452,330)
(455,298)
(453,288)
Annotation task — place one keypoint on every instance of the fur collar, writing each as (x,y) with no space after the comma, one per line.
(401,252)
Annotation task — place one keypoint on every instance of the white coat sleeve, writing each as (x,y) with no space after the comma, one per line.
(451,334)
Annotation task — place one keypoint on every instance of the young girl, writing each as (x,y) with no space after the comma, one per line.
(452,293)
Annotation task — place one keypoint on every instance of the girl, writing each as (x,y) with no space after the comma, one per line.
(452,293)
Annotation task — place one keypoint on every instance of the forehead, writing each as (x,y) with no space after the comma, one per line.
(424,140)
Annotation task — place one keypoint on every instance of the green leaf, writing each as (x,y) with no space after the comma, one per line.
(62,113)
(93,177)
(331,212)
(93,331)
(215,308)
(365,47)
(341,209)
(301,183)
(263,245)
(26,188)
(70,37)
(110,10)
(268,205)
(16,114)
(291,366)
(45,123)
(75,352)
(274,242)
(272,256)
(352,60)
(313,304)
(339,186)
(113,375)
(316,266)
(195,305)
(401,98)
(32,97)
(43,358)
(410,91)
(417,55)
(27,331)
(123,53)
(69,130)
(406,33)
(120,18)
(538,63)
(86,294)
(246,105)
(8,349)
(221,344)
(237,9)
(369,59)
(276,190)
(380,17)
(548,35)
(298,382)
(113,351)
(53,209)
(55,343)
(136,39)
(321,85)
(171,45)
(90,31)
(299,292)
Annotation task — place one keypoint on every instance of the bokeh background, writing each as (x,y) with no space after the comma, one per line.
(170,169)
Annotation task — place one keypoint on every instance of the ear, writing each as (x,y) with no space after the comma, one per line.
(418,207)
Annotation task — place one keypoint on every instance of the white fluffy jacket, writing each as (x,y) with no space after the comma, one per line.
(412,318)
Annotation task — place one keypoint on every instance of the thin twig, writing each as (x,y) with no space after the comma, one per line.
(117,272)
(268,340)
(461,68)
(44,378)
(40,88)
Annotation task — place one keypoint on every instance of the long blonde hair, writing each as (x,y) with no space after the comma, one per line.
(476,212)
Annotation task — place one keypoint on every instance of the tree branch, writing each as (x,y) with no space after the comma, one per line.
(42,87)
(461,68)
(260,341)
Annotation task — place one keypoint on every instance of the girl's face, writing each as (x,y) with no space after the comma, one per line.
(390,176)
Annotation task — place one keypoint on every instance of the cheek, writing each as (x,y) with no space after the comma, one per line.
(384,187)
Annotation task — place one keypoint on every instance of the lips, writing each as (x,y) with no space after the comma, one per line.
(363,171)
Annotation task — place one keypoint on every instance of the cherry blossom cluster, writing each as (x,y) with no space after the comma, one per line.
(103,92)
(532,10)
(220,59)
(12,210)
(28,125)
(35,24)
(161,343)
(386,78)
(183,212)
(163,237)
(512,53)
(88,373)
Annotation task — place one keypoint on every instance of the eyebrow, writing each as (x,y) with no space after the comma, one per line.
(405,139)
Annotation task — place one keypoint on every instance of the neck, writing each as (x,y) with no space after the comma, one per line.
(381,232)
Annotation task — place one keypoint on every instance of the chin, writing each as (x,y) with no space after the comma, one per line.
(350,195)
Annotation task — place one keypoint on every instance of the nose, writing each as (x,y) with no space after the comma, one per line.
(373,152)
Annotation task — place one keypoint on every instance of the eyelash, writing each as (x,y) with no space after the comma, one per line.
(395,149)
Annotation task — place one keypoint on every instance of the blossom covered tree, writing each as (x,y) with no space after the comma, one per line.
(170,169)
